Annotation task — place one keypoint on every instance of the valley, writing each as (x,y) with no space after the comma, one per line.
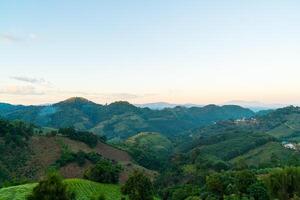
(177,148)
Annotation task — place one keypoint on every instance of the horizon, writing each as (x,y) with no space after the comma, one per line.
(253,105)
(196,52)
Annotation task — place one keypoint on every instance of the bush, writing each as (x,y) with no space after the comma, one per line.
(103,172)
(100,197)
(89,138)
(52,188)
(284,183)
(138,187)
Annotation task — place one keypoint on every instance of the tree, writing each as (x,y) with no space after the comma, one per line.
(138,187)
(275,161)
(258,191)
(103,172)
(52,188)
(284,183)
(244,179)
(99,197)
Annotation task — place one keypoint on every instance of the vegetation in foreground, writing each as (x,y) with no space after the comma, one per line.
(83,189)
(255,159)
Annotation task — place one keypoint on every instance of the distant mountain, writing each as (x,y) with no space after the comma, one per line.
(255,105)
(122,119)
(162,105)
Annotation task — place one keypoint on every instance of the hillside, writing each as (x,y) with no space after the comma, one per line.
(151,150)
(283,123)
(84,190)
(27,155)
(120,120)
(256,142)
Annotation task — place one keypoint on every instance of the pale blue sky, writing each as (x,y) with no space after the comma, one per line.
(143,51)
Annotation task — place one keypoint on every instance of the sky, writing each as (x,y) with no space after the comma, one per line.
(177,51)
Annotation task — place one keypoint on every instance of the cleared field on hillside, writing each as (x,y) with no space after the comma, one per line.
(84,190)
(264,153)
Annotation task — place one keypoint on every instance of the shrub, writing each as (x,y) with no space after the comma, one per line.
(138,187)
(103,172)
(52,188)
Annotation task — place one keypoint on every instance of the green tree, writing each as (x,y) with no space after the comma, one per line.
(98,197)
(193,198)
(244,179)
(284,183)
(138,187)
(103,172)
(258,191)
(275,161)
(52,188)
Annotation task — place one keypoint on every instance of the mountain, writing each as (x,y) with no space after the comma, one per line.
(255,142)
(120,120)
(151,150)
(163,105)
(185,145)
(256,106)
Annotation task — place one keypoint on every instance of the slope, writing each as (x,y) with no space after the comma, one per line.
(84,190)
(121,119)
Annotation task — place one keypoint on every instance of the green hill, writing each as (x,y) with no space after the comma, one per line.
(84,190)
(151,150)
(121,119)
(222,145)
(27,155)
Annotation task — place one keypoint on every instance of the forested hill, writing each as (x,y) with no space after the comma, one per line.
(27,153)
(121,119)
(257,142)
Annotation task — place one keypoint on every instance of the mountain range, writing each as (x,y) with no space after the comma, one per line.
(120,120)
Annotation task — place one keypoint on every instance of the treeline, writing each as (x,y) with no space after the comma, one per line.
(83,136)
(137,187)
(280,183)
(14,138)
(16,132)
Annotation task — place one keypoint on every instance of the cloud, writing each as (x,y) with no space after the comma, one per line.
(10,38)
(20,90)
(32,36)
(39,81)
(102,96)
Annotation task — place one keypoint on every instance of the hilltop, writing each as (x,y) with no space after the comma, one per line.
(121,120)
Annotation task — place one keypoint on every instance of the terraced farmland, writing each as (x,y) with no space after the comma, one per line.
(84,190)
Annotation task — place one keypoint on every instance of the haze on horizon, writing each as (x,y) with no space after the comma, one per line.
(174,51)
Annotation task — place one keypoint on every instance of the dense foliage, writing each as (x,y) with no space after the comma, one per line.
(103,172)
(151,150)
(52,188)
(13,149)
(80,157)
(138,187)
(224,160)
(83,136)
(284,183)
(121,119)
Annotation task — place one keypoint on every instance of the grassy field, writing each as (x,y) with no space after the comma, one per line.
(263,154)
(84,190)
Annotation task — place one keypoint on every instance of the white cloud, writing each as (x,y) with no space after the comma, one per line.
(10,38)
(20,90)
(39,81)
(27,79)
